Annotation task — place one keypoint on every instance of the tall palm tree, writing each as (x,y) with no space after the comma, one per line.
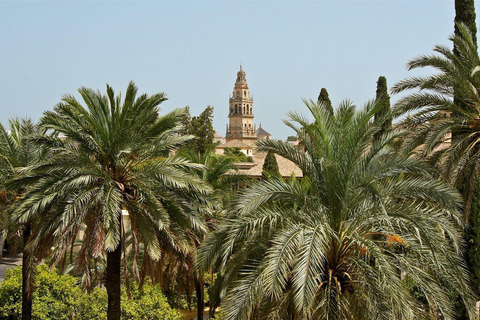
(18,150)
(114,158)
(443,121)
(448,129)
(220,173)
(336,244)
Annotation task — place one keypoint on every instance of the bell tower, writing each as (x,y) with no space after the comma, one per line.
(241,126)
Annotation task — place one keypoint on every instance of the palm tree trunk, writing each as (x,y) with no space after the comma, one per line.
(199,284)
(2,241)
(26,274)
(113,282)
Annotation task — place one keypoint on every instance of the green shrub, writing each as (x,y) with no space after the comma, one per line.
(58,297)
(11,294)
(93,305)
(219,315)
(148,303)
(55,297)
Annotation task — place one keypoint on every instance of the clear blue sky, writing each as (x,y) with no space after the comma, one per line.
(192,51)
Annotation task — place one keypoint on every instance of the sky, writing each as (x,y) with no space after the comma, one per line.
(192,50)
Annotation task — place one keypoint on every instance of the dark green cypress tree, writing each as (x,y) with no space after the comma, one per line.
(474,237)
(202,127)
(270,167)
(324,100)
(383,117)
(465,13)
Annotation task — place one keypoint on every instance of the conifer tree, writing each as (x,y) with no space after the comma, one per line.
(465,13)
(270,167)
(201,127)
(324,100)
(383,98)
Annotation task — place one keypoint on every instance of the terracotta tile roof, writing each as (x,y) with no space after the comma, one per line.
(235,144)
(286,167)
(262,132)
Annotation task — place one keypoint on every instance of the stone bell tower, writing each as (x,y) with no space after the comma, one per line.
(241,126)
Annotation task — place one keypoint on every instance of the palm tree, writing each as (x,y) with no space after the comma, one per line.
(220,173)
(444,125)
(114,158)
(18,151)
(337,244)
(448,129)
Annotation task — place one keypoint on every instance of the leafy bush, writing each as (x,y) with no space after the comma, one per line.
(11,294)
(148,303)
(58,297)
(237,154)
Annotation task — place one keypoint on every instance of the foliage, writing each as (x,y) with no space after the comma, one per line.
(443,123)
(11,295)
(236,154)
(324,101)
(58,297)
(435,115)
(148,303)
(292,138)
(201,127)
(383,116)
(115,155)
(219,171)
(220,315)
(473,238)
(465,13)
(19,150)
(323,247)
(270,167)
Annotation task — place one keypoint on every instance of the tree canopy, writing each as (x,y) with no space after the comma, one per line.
(333,245)
(201,127)
(113,160)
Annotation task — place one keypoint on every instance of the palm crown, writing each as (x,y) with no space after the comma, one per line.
(334,245)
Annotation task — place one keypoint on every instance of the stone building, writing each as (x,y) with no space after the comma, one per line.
(241,126)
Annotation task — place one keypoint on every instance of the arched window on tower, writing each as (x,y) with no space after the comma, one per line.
(235,108)
(243,109)
(244,93)
(238,94)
